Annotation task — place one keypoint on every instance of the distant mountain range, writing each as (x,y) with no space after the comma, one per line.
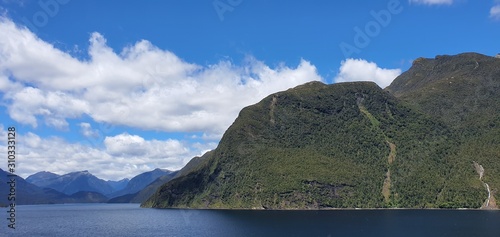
(71,183)
(80,187)
(144,186)
(429,140)
(27,193)
(140,182)
(84,181)
(118,185)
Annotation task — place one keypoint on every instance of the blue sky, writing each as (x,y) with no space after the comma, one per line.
(123,87)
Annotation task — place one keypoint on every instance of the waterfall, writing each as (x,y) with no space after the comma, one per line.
(480,170)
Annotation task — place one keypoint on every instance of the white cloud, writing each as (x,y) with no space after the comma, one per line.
(432,2)
(362,70)
(124,155)
(142,86)
(133,145)
(87,131)
(53,106)
(495,12)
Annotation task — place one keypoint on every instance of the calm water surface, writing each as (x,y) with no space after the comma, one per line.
(131,220)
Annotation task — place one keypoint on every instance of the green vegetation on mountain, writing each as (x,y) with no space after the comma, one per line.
(462,91)
(354,145)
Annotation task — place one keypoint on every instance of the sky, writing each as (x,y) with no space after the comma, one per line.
(123,87)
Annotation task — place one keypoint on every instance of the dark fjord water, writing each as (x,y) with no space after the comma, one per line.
(130,220)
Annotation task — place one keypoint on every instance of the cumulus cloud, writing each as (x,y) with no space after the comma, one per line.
(495,12)
(362,70)
(124,155)
(142,86)
(432,2)
(133,145)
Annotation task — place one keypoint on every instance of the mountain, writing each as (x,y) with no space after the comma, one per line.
(88,197)
(193,164)
(329,146)
(140,181)
(148,189)
(83,187)
(455,89)
(27,193)
(428,140)
(463,92)
(118,185)
(42,179)
(72,182)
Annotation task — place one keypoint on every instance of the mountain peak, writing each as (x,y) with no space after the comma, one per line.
(72,182)
(355,145)
(427,74)
(78,173)
(439,59)
(313,146)
(463,55)
(140,181)
(44,173)
(41,178)
(161,170)
(312,84)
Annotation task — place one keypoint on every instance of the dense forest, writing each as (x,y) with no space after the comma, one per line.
(416,144)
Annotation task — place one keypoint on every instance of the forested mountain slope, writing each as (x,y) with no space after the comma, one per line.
(328,146)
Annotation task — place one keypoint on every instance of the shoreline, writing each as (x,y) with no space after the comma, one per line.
(330,209)
(294,209)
